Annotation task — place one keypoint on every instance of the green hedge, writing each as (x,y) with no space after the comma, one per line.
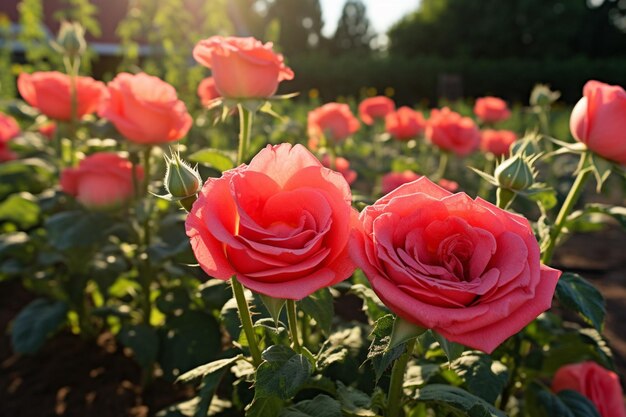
(415,79)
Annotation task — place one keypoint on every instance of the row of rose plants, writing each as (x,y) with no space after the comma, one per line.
(230,276)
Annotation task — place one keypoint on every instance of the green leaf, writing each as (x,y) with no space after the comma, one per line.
(32,175)
(274,306)
(403,331)
(213,158)
(378,353)
(264,407)
(188,341)
(576,293)
(451,349)
(230,318)
(282,373)
(35,323)
(142,340)
(579,405)
(616,212)
(208,368)
(482,376)
(457,399)
(320,406)
(20,209)
(543,403)
(319,306)
(354,402)
(77,229)
(373,307)
(542,194)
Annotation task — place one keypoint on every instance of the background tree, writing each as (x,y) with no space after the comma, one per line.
(300,24)
(354,31)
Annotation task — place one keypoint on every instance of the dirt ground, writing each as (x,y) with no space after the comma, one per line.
(74,378)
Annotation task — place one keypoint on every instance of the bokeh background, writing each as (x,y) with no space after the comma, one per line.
(413,50)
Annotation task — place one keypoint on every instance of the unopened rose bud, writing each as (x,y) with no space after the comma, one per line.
(71,39)
(515,173)
(181,180)
(542,96)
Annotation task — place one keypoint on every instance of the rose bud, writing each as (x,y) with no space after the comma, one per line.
(598,120)
(515,173)
(374,108)
(101,181)
(542,96)
(50,93)
(491,109)
(71,39)
(181,180)
(599,385)
(243,68)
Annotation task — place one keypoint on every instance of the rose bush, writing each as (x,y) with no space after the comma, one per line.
(242,68)
(145,109)
(101,181)
(50,93)
(280,224)
(462,267)
(332,121)
(597,120)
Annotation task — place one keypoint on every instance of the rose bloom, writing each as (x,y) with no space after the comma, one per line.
(491,109)
(342,166)
(334,121)
(599,385)
(497,142)
(8,130)
(374,108)
(145,109)
(464,268)
(393,180)
(451,132)
(207,91)
(598,120)
(242,67)
(405,123)
(50,93)
(103,180)
(280,224)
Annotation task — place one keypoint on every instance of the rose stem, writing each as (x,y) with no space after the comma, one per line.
(566,208)
(394,397)
(292,317)
(443,163)
(245,125)
(72,67)
(147,272)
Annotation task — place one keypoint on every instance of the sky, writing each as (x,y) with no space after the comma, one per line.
(382,13)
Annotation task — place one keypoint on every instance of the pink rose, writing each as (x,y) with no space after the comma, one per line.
(393,180)
(334,121)
(50,93)
(451,132)
(145,109)
(497,142)
(449,185)
(375,108)
(242,67)
(405,123)
(207,91)
(599,385)
(491,109)
(598,120)
(8,130)
(464,268)
(342,166)
(103,180)
(280,224)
